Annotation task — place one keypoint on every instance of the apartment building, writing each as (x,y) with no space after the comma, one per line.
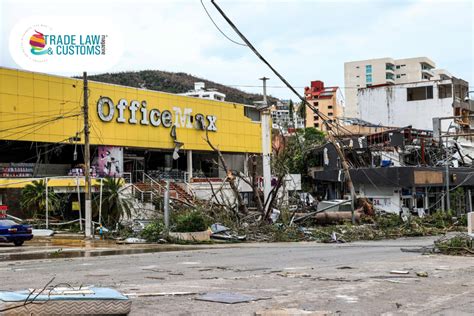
(414,104)
(200,91)
(382,71)
(326,99)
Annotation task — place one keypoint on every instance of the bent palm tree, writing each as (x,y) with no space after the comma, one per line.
(33,198)
(114,206)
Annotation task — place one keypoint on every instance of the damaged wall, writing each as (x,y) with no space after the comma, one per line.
(389,105)
(386,198)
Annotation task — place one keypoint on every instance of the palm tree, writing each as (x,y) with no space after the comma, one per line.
(114,206)
(302,112)
(33,198)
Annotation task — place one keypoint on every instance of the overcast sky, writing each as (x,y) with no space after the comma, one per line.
(304,40)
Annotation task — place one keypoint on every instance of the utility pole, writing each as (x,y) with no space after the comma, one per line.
(88,226)
(448,200)
(166,204)
(266,140)
(47,202)
(345,165)
(347,173)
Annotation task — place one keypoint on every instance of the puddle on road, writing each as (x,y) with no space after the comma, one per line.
(87,253)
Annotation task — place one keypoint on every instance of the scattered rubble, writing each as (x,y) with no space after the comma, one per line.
(460,244)
(229,298)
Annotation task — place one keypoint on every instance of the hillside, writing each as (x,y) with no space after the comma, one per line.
(172,82)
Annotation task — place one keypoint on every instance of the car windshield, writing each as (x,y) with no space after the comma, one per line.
(7,222)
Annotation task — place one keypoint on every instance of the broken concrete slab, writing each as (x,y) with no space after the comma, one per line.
(292,312)
(193,236)
(229,298)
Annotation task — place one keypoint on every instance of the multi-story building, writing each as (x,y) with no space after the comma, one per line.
(200,91)
(281,118)
(413,104)
(135,134)
(326,99)
(281,115)
(386,71)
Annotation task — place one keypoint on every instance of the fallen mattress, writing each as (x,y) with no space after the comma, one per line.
(65,301)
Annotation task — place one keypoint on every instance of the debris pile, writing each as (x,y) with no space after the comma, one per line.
(460,245)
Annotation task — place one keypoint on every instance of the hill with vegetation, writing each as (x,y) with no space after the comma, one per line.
(174,82)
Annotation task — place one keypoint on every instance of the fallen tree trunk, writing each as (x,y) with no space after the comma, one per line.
(324,218)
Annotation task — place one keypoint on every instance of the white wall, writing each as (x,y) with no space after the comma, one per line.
(388,106)
(384,198)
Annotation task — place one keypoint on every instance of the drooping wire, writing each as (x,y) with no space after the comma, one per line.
(327,120)
(217,27)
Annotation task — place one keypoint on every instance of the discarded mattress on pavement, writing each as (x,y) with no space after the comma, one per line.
(65,301)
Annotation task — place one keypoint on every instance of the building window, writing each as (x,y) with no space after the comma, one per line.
(316,125)
(368,69)
(316,117)
(329,113)
(445,91)
(329,106)
(388,76)
(398,76)
(369,85)
(357,76)
(419,93)
(398,66)
(368,78)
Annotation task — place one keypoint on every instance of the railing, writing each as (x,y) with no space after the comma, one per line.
(138,194)
(127,177)
(177,175)
(148,179)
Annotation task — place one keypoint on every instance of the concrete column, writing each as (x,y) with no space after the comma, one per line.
(189,156)
(427,201)
(442,200)
(469,201)
(246,164)
(266,145)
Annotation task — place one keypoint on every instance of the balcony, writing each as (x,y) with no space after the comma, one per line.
(426,71)
(390,68)
(389,77)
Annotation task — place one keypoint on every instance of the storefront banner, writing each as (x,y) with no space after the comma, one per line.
(110,161)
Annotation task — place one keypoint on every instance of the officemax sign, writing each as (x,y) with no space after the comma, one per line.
(138,112)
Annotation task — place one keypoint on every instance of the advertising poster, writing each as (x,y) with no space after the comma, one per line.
(110,161)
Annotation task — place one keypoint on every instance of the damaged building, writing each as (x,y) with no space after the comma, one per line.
(397,169)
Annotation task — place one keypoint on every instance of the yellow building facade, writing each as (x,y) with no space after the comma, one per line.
(45,108)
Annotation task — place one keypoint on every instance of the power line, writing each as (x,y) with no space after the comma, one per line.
(327,120)
(204,7)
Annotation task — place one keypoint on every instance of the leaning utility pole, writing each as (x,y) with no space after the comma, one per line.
(448,200)
(345,165)
(88,226)
(266,140)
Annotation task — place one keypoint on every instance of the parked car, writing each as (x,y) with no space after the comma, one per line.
(11,231)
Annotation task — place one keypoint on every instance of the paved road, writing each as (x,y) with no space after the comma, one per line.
(342,279)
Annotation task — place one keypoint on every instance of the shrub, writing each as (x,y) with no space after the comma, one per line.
(153,231)
(193,221)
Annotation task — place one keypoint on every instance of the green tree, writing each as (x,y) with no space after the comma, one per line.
(291,112)
(302,112)
(299,148)
(33,199)
(114,206)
